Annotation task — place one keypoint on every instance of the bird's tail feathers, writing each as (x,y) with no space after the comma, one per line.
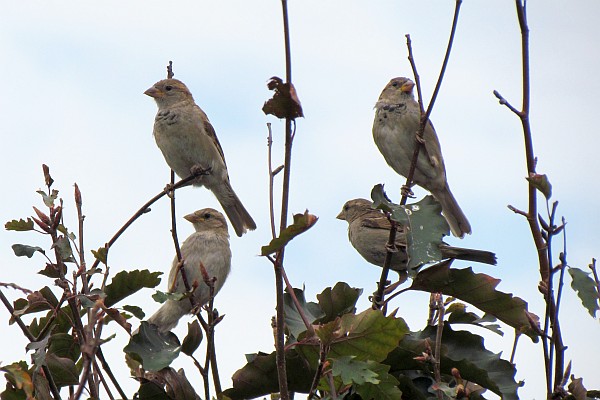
(234,209)
(481,256)
(169,314)
(459,224)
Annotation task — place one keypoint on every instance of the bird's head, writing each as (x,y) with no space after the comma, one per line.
(207,219)
(353,209)
(169,92)
(396,90)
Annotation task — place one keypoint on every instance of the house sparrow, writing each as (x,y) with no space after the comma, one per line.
(369,230)
(397,118)
(209,245)
(188,141)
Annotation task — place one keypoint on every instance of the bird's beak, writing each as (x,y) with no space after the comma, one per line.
(341,216)
(153,92)
(190,217)
(407,87)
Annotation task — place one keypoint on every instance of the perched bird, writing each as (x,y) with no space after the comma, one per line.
(188,141)
(369,230)
(397,118)
(208,246)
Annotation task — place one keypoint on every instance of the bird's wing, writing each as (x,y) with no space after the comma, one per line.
(210,131)
(376,221)
(432,147)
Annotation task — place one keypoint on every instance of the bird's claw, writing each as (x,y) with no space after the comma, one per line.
(391,248)
(406,191)
(199,170)
(390,288)
(169,190)
(420,139)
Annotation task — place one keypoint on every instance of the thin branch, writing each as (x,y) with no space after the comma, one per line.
(17,318)
(378,300)
(271,180)
(438,343)
(592,266)
(505,102)
(55,213)
(290,288)
(211,354)
(280,321)
(174,219)
(80,218)
(111,376)
(16,287)
(398,293)
(103,380)
(514,348)
(322,359)
(541,244)
(146,208)
(425,115)
(31,338)
(379,296)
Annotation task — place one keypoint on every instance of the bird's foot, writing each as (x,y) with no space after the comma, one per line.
(391,248)
(406,191)
(420,139)
(199,170)
(390,288)
(169,191)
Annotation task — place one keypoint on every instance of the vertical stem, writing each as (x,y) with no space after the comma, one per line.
(438,342)
(271,180)
(378,298)
(174,220)
(280,321)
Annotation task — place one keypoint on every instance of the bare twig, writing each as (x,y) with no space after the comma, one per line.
(146,207)
(271,180)
(332,390)
(80,218)
(106,367)
(542,245)
(170,73)
(211,353)
(592,267)
(174,219)
(290,288)
(379,296)
(378,299)
(438,343)
(103,380)
(322,358)
(280,321)
(16,287)
(514,348)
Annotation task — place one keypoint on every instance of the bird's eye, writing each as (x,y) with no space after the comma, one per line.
(395,84)
(207,215)
(346,207)
(168,88)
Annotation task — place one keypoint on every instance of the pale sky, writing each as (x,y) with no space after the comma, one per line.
(75,75)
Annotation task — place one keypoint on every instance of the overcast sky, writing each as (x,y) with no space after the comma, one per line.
(73,99)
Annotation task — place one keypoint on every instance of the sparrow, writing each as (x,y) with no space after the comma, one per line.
(397,118)
(369,230)
(209,246)
(188,142)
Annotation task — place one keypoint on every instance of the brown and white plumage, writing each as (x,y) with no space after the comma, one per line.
(397,119)
(209,245)
(369,229)
(187,140)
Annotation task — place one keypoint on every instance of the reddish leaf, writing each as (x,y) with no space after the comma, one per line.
(285,102)
(480,291)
